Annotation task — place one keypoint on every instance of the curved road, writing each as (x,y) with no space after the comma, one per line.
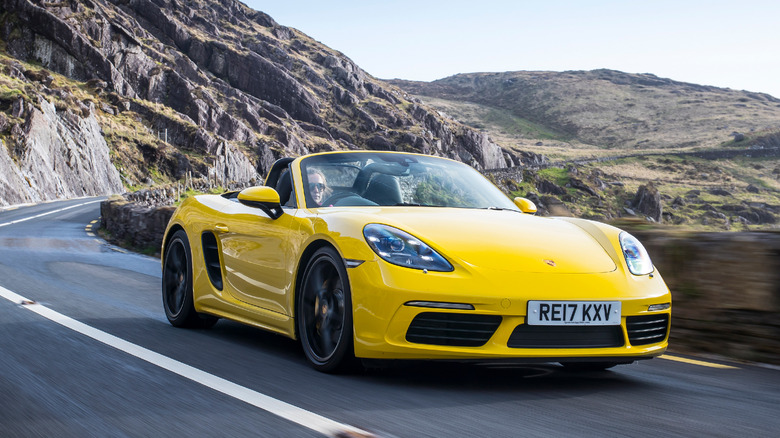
(85,350)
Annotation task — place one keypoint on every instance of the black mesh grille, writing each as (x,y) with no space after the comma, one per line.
(211,258)
(566,336)
(647,329)
(456,329)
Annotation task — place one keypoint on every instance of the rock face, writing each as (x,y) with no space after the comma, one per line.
(209,88)
(61,156)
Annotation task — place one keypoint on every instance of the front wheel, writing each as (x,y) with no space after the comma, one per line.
(177,285)
(324,313)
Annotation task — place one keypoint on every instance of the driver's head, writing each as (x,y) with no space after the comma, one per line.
(317,185)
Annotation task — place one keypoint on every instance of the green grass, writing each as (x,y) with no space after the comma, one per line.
(517,126)
(557,175)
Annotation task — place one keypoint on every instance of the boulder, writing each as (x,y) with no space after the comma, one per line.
(548,187)
(719,192)
(648,202)
(578,184)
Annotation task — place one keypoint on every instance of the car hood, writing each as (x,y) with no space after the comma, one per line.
(503,240)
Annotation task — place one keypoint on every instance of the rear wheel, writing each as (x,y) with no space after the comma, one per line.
(324,313)
(177,285)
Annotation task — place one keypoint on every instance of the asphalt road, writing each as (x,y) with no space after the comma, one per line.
(91,354)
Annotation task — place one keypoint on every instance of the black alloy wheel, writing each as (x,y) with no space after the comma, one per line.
(177,285)
(324,313)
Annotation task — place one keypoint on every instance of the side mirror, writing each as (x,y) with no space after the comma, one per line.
(525,205)
(264,198)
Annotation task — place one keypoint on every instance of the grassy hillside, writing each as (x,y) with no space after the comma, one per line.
(711,153)
(600,110)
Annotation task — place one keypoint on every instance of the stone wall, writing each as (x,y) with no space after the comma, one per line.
(725,290)
(138,220)
(133,225)
(725,286)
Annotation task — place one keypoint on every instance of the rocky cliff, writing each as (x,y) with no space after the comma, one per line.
(58,155)
(204,88)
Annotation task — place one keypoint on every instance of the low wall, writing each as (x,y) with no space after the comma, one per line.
(133,225)
(725,286)
(725,290)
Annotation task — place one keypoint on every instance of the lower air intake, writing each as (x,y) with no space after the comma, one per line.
(455,329)
(567,336)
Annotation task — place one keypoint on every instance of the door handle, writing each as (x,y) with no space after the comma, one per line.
(220,228)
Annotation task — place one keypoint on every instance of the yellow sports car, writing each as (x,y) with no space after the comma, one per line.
(387,255)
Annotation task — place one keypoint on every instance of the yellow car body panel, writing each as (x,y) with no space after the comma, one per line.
(501,260)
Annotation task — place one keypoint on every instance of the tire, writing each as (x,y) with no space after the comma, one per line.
(177,285)
(584,367)
(324,313)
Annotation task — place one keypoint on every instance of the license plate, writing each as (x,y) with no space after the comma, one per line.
(573,313)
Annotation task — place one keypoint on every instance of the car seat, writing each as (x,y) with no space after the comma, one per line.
(384,190)
(285,189)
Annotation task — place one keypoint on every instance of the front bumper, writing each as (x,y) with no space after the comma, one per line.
(382,317)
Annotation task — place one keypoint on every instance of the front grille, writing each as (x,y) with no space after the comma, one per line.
(647,329)
(566,336)
(455,329)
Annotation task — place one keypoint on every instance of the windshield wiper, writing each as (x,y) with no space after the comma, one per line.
(412,204)
(502,209)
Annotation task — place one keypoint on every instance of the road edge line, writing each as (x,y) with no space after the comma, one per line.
(48,213)
(267,403)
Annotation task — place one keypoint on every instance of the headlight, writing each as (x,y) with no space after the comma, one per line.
(636,255)
(402,249)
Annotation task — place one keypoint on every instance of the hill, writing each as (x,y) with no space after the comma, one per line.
(604,109)
(710,156)
(168,90)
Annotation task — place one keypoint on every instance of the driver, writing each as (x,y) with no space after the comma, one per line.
(317,185)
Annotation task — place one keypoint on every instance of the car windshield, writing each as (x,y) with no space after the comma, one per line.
(395,179)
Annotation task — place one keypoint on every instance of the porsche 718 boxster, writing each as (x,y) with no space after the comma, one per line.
(387,255)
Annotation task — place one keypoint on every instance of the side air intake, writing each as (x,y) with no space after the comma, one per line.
(647,329)
(211,258)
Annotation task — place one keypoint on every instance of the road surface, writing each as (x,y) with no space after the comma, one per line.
(85,350)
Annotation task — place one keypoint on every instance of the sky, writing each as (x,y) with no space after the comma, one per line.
(728,44)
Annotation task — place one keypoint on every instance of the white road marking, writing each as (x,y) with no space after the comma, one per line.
(282,409)
(47,213)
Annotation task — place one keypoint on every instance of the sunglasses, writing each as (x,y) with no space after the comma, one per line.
(316,186)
